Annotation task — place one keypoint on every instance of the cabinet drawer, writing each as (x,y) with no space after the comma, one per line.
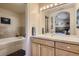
(44,42)
(64,53)
(68,47)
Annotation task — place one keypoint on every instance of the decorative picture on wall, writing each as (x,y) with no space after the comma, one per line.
(5,20)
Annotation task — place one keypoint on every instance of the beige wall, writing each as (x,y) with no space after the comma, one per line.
(42,22)
(34,19)
(9,29)
(22,24)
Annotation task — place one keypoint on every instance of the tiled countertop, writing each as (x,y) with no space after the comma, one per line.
(62,38)
(10,45)
(6,42)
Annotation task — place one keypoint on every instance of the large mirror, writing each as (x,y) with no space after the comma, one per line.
(62,23)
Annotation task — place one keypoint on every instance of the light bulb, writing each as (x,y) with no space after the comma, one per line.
(56,4)
(41,9)
(47,6)
(44,7)
(51,5)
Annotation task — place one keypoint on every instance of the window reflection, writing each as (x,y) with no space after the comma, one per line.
(62,23)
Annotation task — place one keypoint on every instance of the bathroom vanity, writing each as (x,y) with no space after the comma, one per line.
(10,45)
(55,45)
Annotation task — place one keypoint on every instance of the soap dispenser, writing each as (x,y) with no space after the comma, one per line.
(33,31)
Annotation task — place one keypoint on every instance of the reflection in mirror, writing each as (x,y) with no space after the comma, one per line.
(33,31)
(62,23)
(46,24)
(42,30)
(52,24)
(78,18)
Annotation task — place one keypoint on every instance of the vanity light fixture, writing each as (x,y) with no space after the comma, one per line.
(44,7)
(47,6)
(41,9)
(56,4)
(51,5)
(59,3)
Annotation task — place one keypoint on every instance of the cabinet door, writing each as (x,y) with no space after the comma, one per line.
(46,51)
(35,49)
(64,53)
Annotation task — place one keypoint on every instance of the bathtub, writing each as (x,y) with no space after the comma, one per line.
(10,45)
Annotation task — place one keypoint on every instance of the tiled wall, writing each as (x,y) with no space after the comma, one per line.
(9,30)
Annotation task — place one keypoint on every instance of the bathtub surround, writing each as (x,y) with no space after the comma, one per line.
(10,40)
(13,29)
(10,45)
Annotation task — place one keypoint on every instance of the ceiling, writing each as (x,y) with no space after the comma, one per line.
(15,7)
(18,7)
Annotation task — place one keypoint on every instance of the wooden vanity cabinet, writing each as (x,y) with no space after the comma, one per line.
(43,47)
(64,53)
(35,49)
(66,49)
(47,51)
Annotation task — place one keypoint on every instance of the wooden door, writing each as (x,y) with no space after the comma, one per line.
(35,49)
(46,51)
